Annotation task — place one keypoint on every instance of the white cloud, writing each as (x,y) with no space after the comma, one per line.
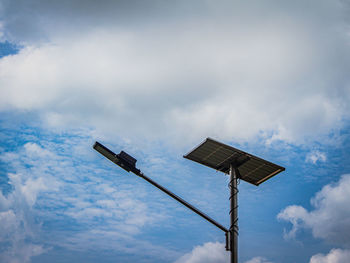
(212,253)
(7,218)
(50,184)
(31,188)
(258,260)
(34,151)
(330,218)
(334,256)
(184,80)
(208,253)
(22,253)
(18,232)
(316,156)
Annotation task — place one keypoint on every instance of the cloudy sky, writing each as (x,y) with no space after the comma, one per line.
(155,78)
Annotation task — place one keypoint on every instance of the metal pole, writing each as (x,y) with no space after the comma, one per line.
(234,214)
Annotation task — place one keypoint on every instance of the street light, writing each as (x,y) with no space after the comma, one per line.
(221,157)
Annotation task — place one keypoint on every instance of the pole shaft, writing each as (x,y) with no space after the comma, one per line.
(234,214)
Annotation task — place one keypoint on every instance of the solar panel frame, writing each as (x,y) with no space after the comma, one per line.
(219,156)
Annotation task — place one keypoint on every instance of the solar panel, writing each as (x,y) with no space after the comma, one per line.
(220,156)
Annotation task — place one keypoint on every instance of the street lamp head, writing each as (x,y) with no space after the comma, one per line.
(124,160)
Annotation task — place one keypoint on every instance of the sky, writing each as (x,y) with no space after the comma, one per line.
(155,78)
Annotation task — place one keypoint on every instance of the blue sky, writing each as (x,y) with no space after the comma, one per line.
(155,79)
